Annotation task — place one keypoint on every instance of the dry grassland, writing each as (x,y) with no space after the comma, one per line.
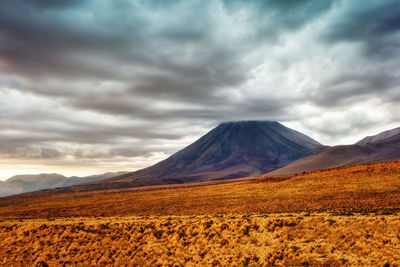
(341,216)
(204,240)
(356,188)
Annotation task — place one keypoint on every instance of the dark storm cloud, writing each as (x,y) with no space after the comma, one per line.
(349,87)
(47,47)
(42,142)
(373,26)
(49,4)
(37,41)
(365,21)
(122,78)
(285,15)
(43,42)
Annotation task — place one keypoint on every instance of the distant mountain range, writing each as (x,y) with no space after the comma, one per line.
(231,150)
(27,183)
(373,149)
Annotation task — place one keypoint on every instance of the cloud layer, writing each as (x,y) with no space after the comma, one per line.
(92,86)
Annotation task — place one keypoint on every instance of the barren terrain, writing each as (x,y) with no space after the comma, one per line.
(340,216)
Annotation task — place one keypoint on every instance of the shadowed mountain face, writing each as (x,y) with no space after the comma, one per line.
(381,150)
(27,183)
(231,150)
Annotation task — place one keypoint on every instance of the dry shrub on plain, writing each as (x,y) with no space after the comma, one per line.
(206,240)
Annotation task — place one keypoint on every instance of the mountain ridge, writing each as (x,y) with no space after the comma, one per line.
(370,151)
(380,136)
(19,184)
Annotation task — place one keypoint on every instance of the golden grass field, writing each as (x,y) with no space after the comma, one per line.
(363,187)
(341,216)
(202,240)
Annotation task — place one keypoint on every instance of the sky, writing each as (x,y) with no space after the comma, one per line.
(95,86)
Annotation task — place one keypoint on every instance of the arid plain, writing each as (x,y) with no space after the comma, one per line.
(339,216)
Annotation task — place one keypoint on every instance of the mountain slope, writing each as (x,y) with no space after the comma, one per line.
(231,150)
(371,152)
(378,137)
(74,180)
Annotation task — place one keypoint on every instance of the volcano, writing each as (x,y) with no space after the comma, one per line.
(231,150)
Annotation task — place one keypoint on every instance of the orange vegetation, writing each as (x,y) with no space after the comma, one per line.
(241,223)
(204,240)
(362,187)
